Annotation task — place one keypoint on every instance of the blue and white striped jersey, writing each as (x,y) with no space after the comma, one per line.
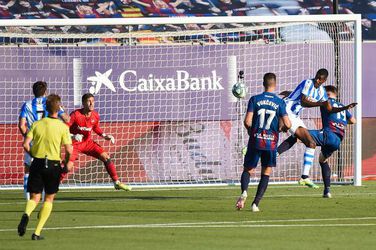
(34,110)
(307,88)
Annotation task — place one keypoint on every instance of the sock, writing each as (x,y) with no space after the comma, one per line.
(111,170)
(43,195)
(63,176)
(309,155)
(263,184)
(244,180)
(325,171)
(27,194)
(43,216)
(286,145)
(30,206)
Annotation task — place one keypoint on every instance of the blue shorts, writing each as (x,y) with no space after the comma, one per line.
(328,141)
(268,158)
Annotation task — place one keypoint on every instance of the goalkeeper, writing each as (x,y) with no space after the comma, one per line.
(47,135)
(82,122)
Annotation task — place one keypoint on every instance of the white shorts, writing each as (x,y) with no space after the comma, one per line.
(296,122)
(27,159)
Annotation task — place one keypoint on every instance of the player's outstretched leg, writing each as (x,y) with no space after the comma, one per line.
(111,170)
(244,180)
(286,145)
(306,138)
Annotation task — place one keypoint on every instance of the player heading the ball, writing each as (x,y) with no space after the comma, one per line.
(308,94)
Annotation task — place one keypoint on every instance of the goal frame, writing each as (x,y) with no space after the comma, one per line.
(356,18)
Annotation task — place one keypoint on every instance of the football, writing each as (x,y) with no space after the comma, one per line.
(239,90)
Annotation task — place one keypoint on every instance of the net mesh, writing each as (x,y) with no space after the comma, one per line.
(165,94)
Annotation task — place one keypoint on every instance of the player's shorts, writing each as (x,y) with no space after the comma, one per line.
(27,158)
(328,141)
(268,158)
(44,176)
(296,122)
(88,147)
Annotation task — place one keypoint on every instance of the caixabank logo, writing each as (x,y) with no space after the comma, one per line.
(134,81)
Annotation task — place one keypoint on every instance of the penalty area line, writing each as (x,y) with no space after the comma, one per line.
(222,224)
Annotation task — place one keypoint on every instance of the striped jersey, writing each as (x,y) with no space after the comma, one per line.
(307,88)
(34,110)
(335,122)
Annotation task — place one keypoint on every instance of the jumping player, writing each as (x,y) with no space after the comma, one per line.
(82,122)
(331,136)
(309,93)
(262,123)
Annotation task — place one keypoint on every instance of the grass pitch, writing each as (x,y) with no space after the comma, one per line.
(291,217)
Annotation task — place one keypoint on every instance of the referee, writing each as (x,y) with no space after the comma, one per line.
(47,136)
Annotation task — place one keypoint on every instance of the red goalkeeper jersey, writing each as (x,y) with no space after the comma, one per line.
(81,124)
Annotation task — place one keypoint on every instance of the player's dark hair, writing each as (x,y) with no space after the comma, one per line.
(39,88)
(86,96)
(269,79)
(53,103)
(331,88)
(322,74)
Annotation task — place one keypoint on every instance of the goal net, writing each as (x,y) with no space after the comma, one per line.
(163,89)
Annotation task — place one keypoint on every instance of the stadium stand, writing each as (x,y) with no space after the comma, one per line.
(163,8)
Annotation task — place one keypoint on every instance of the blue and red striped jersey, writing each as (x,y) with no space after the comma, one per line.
(335,122)
(267,108)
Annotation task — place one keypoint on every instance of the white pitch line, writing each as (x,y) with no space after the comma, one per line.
(219,224)
(125,198)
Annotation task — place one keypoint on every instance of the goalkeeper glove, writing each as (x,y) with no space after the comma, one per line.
(77,137)
(109,137)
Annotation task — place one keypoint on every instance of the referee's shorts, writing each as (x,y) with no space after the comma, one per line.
(44,174)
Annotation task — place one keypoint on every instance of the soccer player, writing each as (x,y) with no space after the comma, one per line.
(262,123)
(47,136)
(32,111)
(82,122)
(330,137)
(309,93)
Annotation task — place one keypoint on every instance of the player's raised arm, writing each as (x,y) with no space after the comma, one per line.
(64,116)
(305,100)
(350,118)
(332,93)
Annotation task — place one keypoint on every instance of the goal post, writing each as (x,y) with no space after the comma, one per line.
(163,88)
